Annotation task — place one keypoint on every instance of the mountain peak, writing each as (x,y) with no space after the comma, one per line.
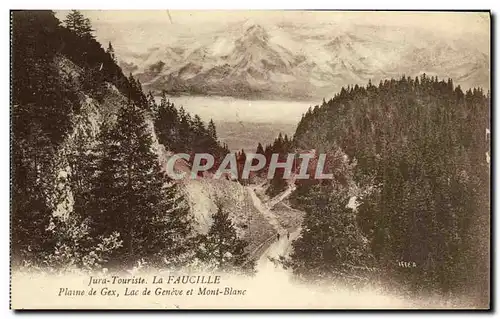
(259,58)
(254,28)
(342,40)
(254,32)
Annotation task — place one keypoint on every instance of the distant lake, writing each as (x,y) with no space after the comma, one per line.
(229,109)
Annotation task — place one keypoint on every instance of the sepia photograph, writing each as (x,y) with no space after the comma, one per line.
(250,159)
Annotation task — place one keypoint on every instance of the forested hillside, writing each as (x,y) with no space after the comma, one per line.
(417,152)
(88,190)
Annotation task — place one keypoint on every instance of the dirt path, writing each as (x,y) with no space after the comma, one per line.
(280,197)
(278,247)
(264,210)
(281,247)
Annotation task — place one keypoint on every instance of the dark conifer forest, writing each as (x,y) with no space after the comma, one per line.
(417,150)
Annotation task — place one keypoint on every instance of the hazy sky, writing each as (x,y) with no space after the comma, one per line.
(148,28)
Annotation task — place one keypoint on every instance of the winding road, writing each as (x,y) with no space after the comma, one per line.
(277,247)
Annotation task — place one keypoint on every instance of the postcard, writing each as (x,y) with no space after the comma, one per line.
(250,159)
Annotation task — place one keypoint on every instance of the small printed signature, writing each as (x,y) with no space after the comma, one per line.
(407,264)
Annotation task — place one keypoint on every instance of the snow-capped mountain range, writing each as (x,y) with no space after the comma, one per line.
(286,61)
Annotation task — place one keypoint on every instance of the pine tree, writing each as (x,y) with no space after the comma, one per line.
(221,247)
(145,213)
(103,193)
(152,107)
(212,131)
(281,146)
(76,22)
(111,51)
(260,149)
(331,245)
(185,131)
(241,160)
(199,133)
(167,124)
(174,248)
